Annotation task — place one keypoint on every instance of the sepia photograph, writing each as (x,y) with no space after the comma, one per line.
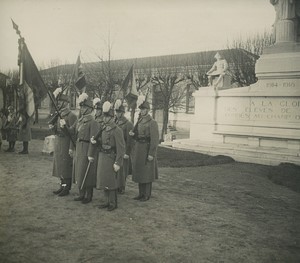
(160,131)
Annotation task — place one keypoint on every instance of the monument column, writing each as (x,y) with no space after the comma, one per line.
(286,20)
(281,60)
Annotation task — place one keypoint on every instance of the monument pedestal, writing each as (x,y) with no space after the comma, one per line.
(259,123)
(250,124)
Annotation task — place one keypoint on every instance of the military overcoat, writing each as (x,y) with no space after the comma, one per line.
(85,128)
(24,134)
(62,161)
(111,150)
(126,126)
(146,142)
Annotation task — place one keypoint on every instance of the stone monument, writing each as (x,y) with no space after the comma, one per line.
(259,123)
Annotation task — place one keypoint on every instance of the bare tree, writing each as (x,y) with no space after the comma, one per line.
(196,70)
(243,63)
(167,93)
(109,75)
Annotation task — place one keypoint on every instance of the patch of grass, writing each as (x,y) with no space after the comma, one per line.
(286,174)
(168,157)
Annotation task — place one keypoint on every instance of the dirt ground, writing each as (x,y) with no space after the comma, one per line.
(217,213)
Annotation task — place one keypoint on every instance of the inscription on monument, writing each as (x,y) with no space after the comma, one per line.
(260,109)
(281,84)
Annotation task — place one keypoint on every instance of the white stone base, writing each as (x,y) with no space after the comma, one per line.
(49,145)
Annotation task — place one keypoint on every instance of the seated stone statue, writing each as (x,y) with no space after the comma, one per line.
(218,71)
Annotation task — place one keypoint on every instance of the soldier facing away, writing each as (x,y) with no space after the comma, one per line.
(62,161)
(2,123)
(144,162)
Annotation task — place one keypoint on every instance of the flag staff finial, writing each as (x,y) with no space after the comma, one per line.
(16,27)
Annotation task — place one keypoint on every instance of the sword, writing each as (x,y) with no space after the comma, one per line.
(85,175)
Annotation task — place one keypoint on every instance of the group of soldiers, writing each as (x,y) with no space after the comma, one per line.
(101,147)
(15,126)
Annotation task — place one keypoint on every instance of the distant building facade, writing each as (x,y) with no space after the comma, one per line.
(190,67)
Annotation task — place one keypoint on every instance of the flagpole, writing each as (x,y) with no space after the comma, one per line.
(22,42)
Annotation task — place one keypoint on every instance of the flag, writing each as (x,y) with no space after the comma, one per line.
(34,89)
(29,99)
(80,82)
(129,88)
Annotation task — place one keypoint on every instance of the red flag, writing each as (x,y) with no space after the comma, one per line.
(129,88)
(80,81)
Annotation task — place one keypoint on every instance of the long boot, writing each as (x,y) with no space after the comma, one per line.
(140,193)
(89,195)
(60,188)
(69,183)
(25,148)
(106,197)
(9,147)
(65,190)
(112,197)
(81,195)
(13,146)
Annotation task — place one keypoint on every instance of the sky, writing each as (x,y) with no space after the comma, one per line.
(57,30)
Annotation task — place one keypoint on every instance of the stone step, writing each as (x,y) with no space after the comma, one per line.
(241,153)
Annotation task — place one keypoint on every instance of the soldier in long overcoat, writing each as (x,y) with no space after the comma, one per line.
(2,123)
(24,125)
(111,146)
(11,129)
(144,161)
(126,126)
(62,161)
(84,170)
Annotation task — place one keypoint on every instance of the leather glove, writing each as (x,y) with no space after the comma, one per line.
(62,123)
(93,141)
(91,159)
(150,158)
(126,156)
(116,167)
(71,153)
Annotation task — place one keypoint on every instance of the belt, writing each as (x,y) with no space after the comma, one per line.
(143,139)
(81,140)
(60,134)
(107,149)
